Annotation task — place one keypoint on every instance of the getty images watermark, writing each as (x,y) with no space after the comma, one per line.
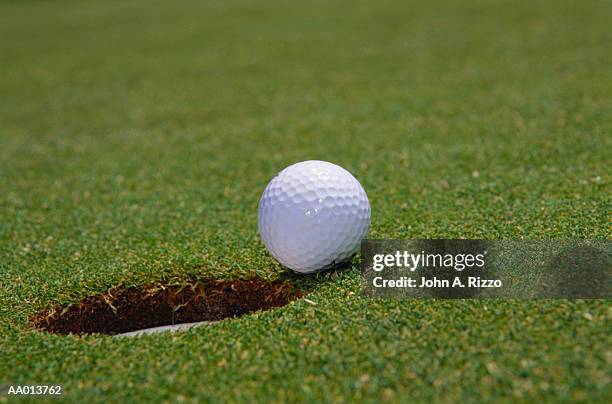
(487,269)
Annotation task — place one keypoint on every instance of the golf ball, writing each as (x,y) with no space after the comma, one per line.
(313,215)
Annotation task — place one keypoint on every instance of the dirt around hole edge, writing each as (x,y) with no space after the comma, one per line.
(124,309)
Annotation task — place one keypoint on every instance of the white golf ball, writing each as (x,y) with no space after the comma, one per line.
(313,215)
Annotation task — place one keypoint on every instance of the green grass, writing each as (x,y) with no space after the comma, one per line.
(136,138)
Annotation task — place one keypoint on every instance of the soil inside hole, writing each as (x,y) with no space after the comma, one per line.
(121,309)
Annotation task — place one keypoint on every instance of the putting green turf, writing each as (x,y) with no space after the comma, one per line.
(136,138)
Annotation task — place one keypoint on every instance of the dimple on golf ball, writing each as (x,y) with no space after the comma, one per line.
(313,215)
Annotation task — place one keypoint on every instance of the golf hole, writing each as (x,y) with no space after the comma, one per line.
(122,310)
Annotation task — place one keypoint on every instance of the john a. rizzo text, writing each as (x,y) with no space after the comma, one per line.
(457,282)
